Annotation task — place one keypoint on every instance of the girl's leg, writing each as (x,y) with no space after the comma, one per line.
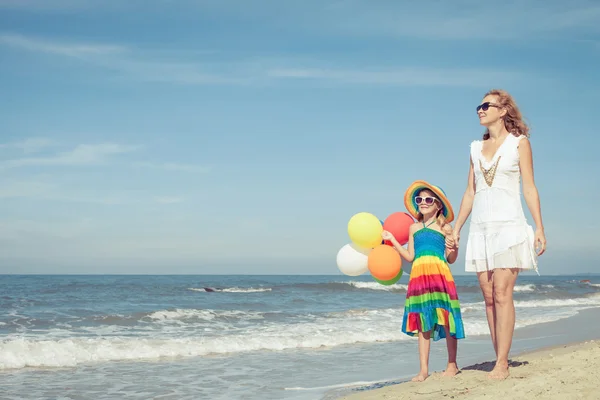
(504,283)
(452,345)
(486,283)
(424,343)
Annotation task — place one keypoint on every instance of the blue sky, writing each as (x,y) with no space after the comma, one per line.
(238,136)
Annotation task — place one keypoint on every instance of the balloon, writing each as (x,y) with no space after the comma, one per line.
(384,262)
(353,260)
(391,281)
(398,224)
(365,230)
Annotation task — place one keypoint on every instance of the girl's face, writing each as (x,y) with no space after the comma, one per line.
(427,202)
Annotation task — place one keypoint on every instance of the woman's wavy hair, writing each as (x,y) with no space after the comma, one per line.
(513,120)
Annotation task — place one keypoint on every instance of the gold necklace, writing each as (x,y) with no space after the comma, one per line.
(489,174)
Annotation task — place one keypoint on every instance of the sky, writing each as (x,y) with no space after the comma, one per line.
(239,137)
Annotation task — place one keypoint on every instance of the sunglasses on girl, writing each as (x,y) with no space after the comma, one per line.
(425,199)
(486,106)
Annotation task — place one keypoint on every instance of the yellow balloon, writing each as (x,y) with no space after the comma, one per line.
(365,230)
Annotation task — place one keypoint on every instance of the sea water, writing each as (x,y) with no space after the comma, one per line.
(232,337)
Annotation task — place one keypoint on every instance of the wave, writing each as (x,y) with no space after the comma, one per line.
(231,290)
(308,331)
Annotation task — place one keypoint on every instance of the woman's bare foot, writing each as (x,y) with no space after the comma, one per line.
(420,377)
(499,372)
(451,370)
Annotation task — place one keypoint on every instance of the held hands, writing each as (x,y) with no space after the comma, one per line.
(452,240)
(451,244)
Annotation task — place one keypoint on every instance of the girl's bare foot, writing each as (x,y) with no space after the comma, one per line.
(451,370)
(420,377)
(499,372)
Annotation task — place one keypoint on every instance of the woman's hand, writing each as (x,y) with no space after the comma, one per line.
(540,241)
(450,242)
(456,237)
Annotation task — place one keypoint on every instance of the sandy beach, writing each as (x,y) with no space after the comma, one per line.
(562,372)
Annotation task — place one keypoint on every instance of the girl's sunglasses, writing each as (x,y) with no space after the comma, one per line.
(486,106)
(427,200)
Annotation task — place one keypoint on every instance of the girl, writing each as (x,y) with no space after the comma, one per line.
(431,307)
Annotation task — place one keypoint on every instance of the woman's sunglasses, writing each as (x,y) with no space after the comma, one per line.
(427,200)
(486,106)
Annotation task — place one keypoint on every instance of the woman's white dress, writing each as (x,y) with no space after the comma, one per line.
(499,235)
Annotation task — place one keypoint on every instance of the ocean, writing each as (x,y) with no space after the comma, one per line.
(235,337)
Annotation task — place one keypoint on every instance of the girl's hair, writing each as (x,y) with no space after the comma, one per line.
(513,120)
(441,219)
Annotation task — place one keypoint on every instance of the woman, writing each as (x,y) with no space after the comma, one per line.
(500,242)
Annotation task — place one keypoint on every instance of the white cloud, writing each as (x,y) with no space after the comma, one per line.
(173,167)
(168,200)
(47,190)
(128,61)
(50,5)
(195,73)
(84,154)
(462,19)
(30,145)
(65,49)
(402,76)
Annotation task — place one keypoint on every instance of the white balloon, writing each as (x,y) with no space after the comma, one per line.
(353,260)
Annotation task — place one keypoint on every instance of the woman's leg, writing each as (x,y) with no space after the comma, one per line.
(452,345)
(504,283)
(424,343)
(486,283)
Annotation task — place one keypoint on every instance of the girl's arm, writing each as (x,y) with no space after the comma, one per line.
(466,205)
(451,246)
(409,253)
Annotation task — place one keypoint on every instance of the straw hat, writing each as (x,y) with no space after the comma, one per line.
(413,191)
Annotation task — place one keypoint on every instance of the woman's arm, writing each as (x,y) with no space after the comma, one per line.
(530,192)
(466,205)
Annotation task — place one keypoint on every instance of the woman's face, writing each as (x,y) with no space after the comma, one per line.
(489,111)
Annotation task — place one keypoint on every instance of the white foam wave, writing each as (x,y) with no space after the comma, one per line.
(207,315)
(376,286)
(525,288)
(317,331)
(577,303)
(232,290)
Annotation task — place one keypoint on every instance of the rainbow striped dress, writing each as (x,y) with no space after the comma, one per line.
(431,299)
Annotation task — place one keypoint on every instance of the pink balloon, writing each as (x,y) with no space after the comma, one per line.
(398,224)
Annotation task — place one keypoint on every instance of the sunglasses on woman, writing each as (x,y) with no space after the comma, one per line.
(486,106)
(425,199)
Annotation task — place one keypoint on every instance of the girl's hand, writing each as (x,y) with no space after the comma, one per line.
(450,243)
(540,241)
(385,235)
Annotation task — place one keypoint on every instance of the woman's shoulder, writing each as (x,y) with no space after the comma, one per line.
(476,144)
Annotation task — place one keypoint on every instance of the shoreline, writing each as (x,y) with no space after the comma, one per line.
(559,365)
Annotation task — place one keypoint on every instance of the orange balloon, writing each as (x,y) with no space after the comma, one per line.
(384,262)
